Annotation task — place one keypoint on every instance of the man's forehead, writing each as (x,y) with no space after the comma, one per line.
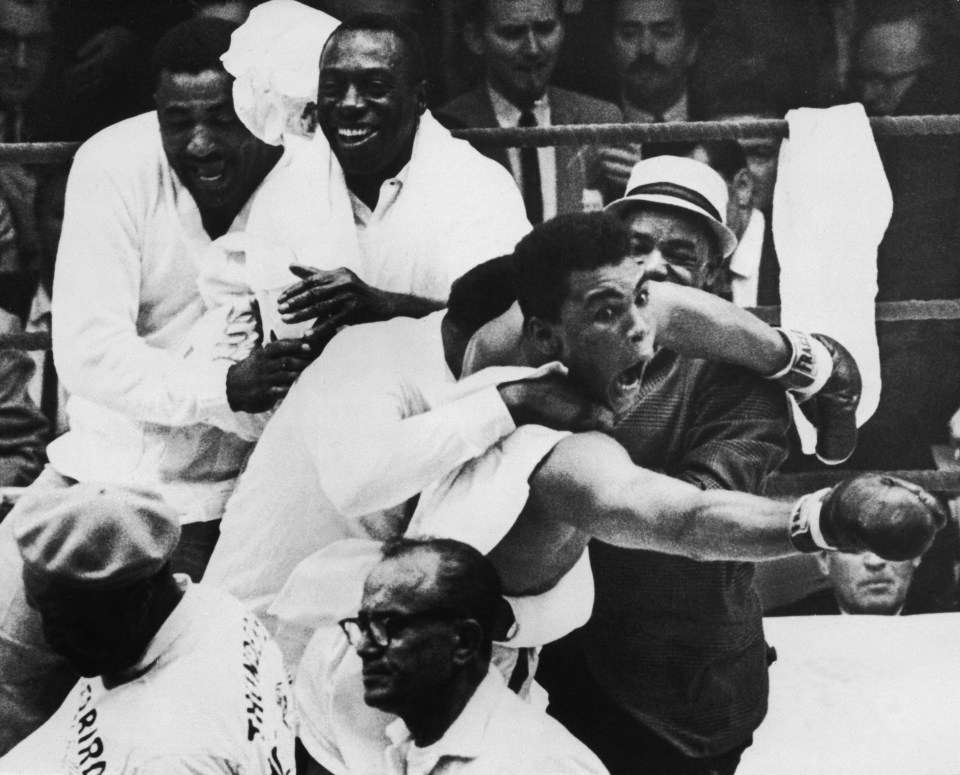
(402,583)
(649,11)
(520,11)
(665,222)
(25,18)
(611,279)
(208,86)
(365,49)
(894,46)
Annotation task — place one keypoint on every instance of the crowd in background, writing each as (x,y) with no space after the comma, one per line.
(69,69)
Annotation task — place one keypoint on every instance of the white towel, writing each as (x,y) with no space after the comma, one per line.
(479,502)
(831,206)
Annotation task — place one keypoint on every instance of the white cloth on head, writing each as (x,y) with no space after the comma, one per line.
(208,648)
(831,206)
(274,58)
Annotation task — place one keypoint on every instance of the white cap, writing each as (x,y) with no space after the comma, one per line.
(675,181)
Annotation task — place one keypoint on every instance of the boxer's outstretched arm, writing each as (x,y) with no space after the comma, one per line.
(590,483)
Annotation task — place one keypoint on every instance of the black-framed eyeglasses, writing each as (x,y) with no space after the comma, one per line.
(382,628)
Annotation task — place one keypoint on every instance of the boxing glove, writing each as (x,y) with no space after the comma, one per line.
(893,518)
(824,378)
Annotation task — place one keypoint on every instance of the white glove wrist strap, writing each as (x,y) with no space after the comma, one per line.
(805,532)
(809,367)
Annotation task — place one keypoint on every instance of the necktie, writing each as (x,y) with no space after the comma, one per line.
(530,172)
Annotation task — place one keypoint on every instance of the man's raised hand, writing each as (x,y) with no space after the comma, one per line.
(552,400)
(322,294)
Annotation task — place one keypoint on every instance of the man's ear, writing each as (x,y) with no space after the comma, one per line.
(542,335)
(693,51)
(420,95)
(469,639)
(473,37)
(823,563)
(743,188)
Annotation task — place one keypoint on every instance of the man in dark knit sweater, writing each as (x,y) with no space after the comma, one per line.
(670,673)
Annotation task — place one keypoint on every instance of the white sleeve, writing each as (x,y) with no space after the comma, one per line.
(544,618)
(370,454)
(99,353)
(491,222)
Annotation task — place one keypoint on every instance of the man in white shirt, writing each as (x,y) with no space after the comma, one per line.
(145,199)
(384,209)
(424,636)
(147,644)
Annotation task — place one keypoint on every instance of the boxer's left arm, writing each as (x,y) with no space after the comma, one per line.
(588,481)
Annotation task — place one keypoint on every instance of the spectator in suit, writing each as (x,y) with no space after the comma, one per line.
(25,46)
(519,42)
(903,66)
(23,429)
(859,584)
(655,44)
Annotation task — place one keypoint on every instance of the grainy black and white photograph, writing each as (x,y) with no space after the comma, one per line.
(479,387)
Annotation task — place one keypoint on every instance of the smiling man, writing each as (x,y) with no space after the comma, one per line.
(145,199)
(381,218)
(518,43)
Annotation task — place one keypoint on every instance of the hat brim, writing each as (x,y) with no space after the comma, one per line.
(725,236)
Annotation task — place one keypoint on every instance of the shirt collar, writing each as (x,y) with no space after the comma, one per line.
(508,114)
(679,111)
(464,738)
(745,261)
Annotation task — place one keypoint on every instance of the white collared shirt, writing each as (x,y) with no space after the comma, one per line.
(745,262)
(209,696)
(496,732)
(367,219)
(125,301)
(508,115)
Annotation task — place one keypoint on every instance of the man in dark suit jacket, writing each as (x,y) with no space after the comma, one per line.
(903,66)
(859,584)
(519,42)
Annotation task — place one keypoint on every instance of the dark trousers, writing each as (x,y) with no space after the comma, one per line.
(623,744)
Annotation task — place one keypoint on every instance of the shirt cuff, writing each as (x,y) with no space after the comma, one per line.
(482,419)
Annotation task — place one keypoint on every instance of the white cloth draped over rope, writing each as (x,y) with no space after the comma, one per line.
(831,206)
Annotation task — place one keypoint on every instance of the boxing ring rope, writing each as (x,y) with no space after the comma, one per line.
(779,485)
(882,126)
